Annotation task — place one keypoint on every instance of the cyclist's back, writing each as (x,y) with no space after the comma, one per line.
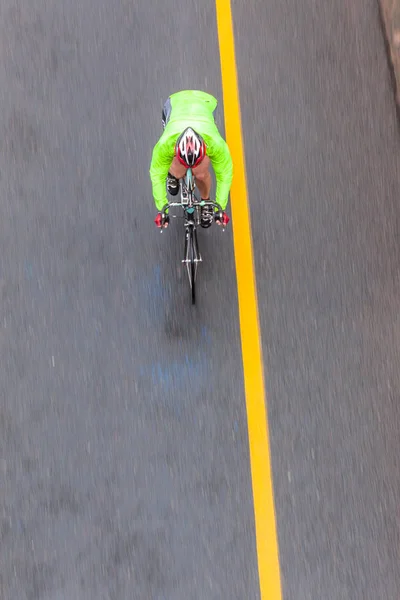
(188,109)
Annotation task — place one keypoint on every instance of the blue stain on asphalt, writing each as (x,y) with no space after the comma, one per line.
(157,279)
(205,334)
(28,270)
(173,377)
(153,287)
(170,375)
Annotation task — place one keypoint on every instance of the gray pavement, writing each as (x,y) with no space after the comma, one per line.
(123,434)
(123,439)
(326,218)
(390,14)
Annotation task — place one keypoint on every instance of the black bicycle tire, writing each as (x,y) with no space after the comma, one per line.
(192,268)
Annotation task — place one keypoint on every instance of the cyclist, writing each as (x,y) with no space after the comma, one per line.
(191,139)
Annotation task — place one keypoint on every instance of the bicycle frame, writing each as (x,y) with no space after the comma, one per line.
(192,216)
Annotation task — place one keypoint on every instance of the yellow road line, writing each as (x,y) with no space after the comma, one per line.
(264,512)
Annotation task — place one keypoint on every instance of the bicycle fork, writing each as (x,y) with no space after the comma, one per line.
(192,253)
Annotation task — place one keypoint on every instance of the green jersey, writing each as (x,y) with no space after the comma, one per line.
(191,108)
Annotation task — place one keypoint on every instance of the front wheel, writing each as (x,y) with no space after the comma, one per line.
(193,277)
(192,258)
(190,261)
(192,266)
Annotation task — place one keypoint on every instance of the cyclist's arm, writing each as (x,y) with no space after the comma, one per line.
(221,161)
(160,163)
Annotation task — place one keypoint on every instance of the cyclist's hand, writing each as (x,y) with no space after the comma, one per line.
(221,218)
(161,220)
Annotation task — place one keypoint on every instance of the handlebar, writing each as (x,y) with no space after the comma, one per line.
(198,203)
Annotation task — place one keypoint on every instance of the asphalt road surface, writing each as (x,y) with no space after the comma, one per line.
(124,465)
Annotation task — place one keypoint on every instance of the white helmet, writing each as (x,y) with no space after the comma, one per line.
(190,148)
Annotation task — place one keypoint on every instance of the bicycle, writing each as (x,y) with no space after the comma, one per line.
(191,206)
